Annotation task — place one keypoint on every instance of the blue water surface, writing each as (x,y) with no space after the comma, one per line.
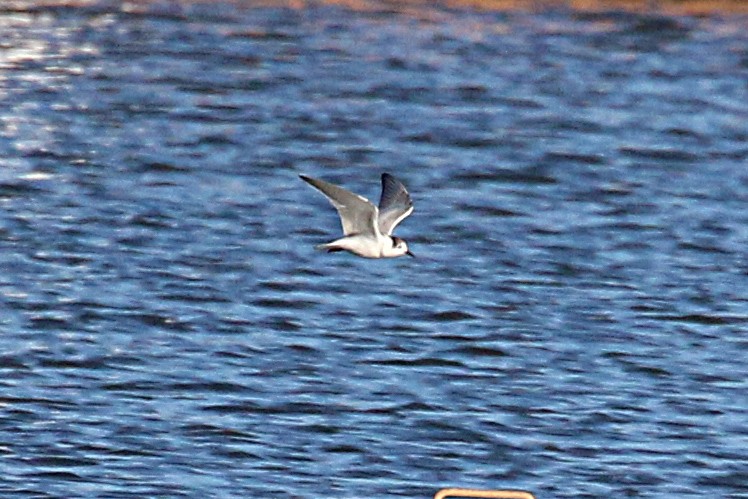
(574,324)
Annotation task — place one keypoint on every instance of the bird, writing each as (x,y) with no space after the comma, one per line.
(367,230)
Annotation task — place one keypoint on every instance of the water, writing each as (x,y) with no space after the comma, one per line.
(574,324)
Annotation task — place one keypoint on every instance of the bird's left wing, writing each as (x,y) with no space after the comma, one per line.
(394,205)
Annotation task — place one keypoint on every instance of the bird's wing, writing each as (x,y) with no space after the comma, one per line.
(394,205)
(357,214)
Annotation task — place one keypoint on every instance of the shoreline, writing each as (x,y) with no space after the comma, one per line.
(667,7)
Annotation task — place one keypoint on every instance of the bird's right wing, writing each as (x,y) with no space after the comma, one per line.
(357,214)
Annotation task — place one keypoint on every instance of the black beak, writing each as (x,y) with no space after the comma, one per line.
(410,254)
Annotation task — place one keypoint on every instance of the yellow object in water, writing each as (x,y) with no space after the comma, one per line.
(484,494)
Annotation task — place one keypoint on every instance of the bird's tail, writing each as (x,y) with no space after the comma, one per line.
(329,247)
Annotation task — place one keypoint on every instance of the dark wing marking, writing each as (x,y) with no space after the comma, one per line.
(394,205)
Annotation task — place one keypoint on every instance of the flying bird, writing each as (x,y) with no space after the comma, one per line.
(367,230)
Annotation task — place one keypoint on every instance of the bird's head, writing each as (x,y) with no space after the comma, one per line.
(399,248)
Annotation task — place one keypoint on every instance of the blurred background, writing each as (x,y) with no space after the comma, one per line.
(575,324)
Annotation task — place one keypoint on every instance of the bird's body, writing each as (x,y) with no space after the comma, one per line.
(367,229)
(358,244)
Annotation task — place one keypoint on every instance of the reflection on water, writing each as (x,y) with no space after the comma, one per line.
(574,324)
